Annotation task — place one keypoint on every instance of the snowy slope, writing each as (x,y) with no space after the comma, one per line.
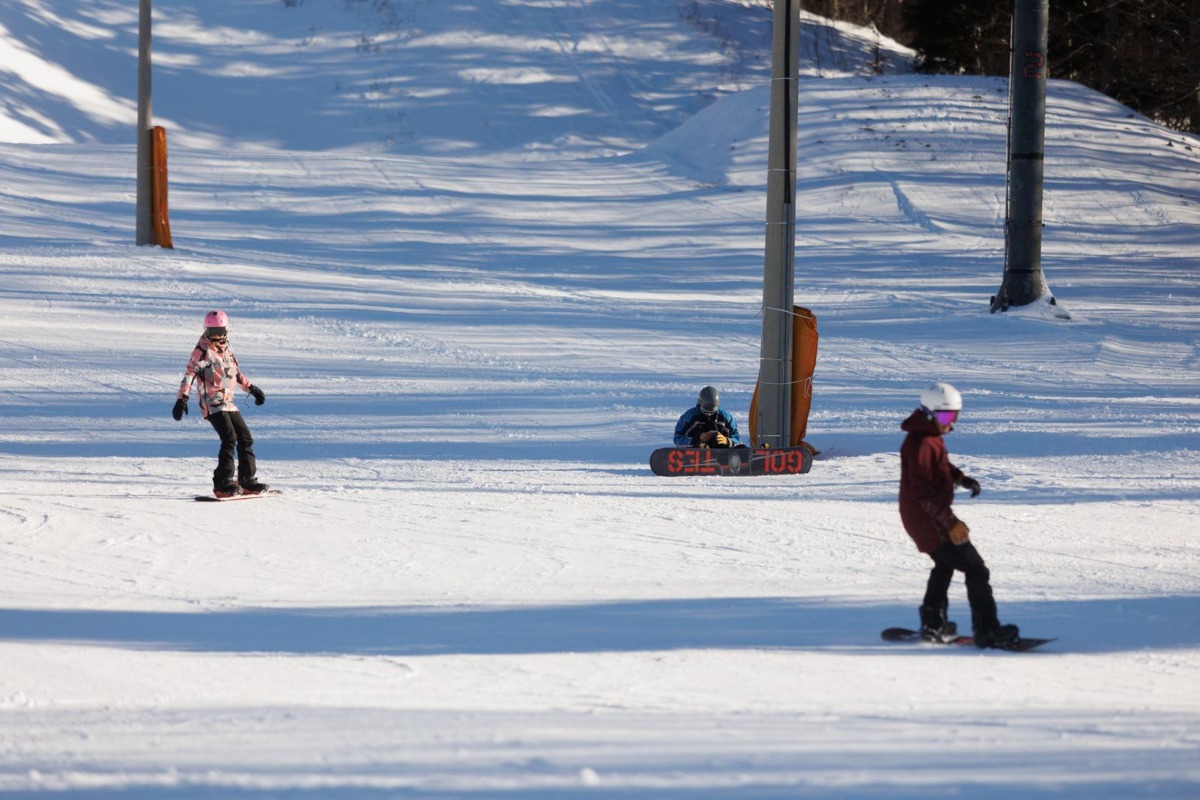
(472,336)
(527,79)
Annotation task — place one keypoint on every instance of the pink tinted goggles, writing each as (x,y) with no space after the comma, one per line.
(945,417)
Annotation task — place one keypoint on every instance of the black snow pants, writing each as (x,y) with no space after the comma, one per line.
(966,559)
(234,435)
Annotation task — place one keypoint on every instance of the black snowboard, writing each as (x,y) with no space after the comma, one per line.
(671,462)
(209,498)
(908,635)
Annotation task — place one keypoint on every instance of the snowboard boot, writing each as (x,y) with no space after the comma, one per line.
(232,490)
(252,486)
(990,633)
(934,625)
(1002,637)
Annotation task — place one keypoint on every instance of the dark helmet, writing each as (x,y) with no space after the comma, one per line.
(708,400)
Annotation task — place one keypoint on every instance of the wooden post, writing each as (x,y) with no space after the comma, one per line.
(145,167)
(1023,279)
(775,359)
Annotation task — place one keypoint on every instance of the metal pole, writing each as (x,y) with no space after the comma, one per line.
(1023,279)
(775,360)
(145,168)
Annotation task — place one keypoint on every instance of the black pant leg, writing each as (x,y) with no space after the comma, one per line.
(938,588)
(246,466)
(966,559)
(223,474)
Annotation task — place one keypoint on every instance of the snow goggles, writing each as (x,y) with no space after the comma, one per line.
(945,417)
(216,334)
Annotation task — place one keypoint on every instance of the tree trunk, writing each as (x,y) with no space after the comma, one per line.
(1108,48)
(1194,40)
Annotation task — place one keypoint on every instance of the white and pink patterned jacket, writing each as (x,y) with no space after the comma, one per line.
(217,369)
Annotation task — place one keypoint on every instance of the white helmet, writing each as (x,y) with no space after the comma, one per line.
(941,397)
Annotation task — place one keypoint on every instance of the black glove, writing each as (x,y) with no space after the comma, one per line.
(972,484)
(180,409)
(259,397)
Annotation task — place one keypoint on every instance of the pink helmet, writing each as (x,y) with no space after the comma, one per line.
(216,319)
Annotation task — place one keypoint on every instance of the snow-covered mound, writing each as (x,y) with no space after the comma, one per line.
(471,337)
(534,79)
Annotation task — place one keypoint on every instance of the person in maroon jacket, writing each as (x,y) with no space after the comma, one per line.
(927,482)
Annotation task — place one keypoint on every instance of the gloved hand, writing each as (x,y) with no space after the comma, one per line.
(972,484)
(958,534)
(180,409)
(722,440)
(259,397)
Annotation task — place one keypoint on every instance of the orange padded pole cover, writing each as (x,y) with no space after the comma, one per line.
(158,187)
(804,363)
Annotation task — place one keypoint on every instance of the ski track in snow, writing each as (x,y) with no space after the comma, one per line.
(480,263)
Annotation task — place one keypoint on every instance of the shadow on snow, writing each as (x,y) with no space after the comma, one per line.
(1083,626)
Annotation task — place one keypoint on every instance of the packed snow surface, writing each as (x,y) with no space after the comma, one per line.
(480,256)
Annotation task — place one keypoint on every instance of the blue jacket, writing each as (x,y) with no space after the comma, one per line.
(695,422)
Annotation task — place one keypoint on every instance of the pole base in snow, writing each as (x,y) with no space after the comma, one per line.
(1044,306)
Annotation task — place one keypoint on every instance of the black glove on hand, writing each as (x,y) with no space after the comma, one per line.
(259,397)
(180,409)
(972,484)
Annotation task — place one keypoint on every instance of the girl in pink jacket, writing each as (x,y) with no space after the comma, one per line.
(214,370)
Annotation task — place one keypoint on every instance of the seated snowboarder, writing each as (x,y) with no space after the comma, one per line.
(927,482)
(707,424)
